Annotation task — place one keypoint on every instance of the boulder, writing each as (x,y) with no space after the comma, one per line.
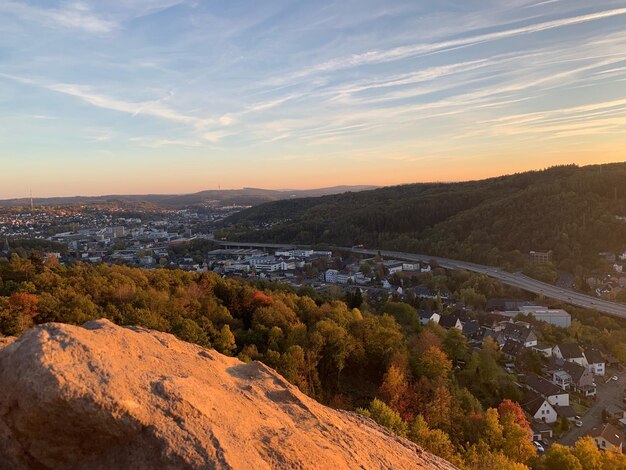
(102,396)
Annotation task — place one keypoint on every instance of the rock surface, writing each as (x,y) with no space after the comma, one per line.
(102,397)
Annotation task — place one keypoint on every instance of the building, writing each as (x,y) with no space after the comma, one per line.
(582,378)
(511,349)
(538,407)
(426,317)
(471,329)
(520,332)
(450,321)
(607,437)
(570,352)
(556,317)
(541,431)
(410,266)
(596,362)
(555,395)
(543,349)
(393,267)
(562,379)
(540,257)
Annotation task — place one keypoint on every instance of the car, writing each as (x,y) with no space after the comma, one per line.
(614,378)
(577,418)
(539,446)
(578,423)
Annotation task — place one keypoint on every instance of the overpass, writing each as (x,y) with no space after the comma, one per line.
(269,246)
(518,280)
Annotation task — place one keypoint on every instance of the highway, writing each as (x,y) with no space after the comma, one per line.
(519,280)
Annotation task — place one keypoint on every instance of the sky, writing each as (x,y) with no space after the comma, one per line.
(177,96)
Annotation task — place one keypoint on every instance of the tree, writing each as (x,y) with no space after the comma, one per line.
(224,342)
(588,454)
(560,458)
(455,344)
(394,387)
(403,313)
(434,364)
(366,269)
(517,444)
(509,408)
(385,416)
(493,433)
(433,440)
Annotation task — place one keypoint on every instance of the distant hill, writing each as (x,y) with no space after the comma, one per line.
(245,196)
(568,209)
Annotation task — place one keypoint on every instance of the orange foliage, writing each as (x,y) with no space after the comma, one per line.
(515,410)
(261,299)
(24,303)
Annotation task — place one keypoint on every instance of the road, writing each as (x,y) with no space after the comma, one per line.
(526,283)
(607,393)
(519,280)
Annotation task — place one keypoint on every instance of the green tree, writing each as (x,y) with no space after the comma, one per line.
(385,416)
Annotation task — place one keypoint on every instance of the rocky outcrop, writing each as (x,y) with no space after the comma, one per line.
(106,397)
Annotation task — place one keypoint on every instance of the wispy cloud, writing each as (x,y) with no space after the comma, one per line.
(403,52)
(77,16)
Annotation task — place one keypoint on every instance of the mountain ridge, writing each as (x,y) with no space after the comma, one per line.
(570,210)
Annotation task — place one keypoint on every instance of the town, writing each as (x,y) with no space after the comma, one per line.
(568,389)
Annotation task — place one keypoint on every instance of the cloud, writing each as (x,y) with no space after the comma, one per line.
(215,136)
(77,16)
(403,52)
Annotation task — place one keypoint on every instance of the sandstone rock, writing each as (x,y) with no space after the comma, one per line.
(6,340)
(107,397)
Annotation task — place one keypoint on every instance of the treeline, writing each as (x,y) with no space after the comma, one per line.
(497,221)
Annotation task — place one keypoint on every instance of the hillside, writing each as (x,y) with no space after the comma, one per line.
(245,196)
(568,209)
(103,396)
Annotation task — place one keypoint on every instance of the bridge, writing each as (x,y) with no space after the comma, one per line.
(518,280)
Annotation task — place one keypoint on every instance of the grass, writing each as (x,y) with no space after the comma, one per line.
(579,408)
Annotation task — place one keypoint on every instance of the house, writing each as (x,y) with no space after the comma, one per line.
(426,317)
(393,266)
(423,292)
(538,407)
(562,379)
(497,336)
(596,362)
(410,267)
(471,329)
(450,321)
(520,332)
(570,352)
(492,321)
(540,257)
(567,412)
(541,431)
(607,437)
(511,349)
(543,349)
(582,378)
(551,392)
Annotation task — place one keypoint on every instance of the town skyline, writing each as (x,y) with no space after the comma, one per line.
(179,96)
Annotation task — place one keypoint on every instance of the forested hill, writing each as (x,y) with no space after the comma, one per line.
(568,209)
